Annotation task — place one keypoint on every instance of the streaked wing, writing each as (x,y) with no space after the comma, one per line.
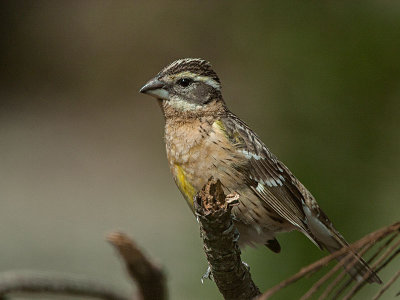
(270,179)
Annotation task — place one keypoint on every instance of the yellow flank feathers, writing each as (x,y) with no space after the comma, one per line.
(220,126)
(233,137)
(184,186)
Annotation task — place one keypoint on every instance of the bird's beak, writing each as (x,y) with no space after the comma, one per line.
(155,88)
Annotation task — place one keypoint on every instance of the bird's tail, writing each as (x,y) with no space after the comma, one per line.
(326,236)
(355,265)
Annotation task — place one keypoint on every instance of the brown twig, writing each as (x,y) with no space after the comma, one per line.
(371,238)
(55,283)
(387,285)
(387,253)
(302,273)
(338,279)
(350,260)
(332,285)
(383,247)
(370,260)
(148,276)
(213,210)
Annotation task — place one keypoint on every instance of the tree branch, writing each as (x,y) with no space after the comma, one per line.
(365,243)
(55,283)
(232,277)
(387,285)
(213,211)
(149,277)
(392,252)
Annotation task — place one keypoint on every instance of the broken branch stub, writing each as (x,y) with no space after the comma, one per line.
(213,210)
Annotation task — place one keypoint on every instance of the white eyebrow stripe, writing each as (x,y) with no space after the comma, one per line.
(209,81)
(205,79)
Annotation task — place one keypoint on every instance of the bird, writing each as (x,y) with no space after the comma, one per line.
(204,139)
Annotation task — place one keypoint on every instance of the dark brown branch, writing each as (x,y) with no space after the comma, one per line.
(213,210)
(55,283)
(148,276)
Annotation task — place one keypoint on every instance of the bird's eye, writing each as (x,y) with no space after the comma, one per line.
(184,82)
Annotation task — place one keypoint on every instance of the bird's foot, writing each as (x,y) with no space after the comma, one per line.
(207,275)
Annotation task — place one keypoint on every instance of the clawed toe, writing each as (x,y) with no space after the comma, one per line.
(207,275)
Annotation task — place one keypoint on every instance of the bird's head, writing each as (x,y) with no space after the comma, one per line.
(188,84)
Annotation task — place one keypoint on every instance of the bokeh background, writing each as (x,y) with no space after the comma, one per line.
(82,153)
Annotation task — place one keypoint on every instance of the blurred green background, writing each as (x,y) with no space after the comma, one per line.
(82,153)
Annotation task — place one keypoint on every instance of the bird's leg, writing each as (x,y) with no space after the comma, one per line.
(207,275)
(246,265)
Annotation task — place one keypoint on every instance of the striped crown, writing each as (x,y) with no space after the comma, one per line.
(197,66)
